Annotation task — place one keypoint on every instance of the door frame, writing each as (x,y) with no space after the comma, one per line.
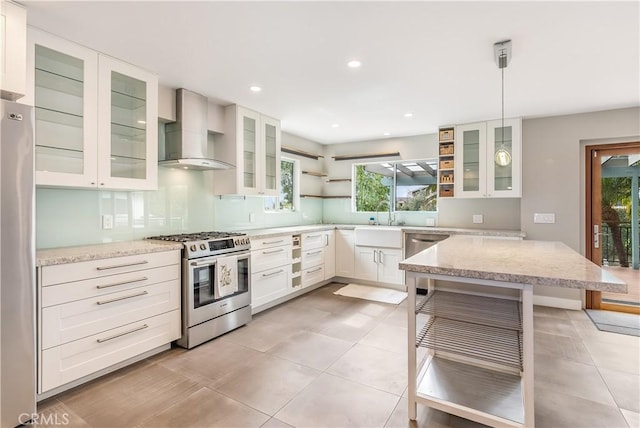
(594,298)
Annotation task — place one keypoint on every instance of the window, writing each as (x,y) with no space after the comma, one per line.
(411,184)
(289,194)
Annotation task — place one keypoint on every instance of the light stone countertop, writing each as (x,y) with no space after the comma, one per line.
(547,263)
(269,232)
(83,253)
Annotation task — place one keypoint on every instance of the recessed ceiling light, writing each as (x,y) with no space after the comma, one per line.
(255,88)
(335,125)
(386,134)
(354,63)
(408,115)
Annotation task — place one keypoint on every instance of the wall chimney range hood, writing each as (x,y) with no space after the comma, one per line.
(186,142)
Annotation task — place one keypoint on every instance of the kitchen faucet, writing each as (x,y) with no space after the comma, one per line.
(390,220)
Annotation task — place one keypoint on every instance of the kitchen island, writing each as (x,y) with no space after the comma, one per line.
(479,329)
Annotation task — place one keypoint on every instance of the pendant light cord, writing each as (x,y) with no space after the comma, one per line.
(502,133)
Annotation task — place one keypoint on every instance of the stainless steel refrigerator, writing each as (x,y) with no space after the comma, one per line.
(17,266)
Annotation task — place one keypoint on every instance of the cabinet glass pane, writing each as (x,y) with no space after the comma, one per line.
(270,153)
(503,174)
(59,121)
(128,127)
(249,128)
(471,160)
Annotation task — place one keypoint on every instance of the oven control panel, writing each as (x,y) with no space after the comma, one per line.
(214,247)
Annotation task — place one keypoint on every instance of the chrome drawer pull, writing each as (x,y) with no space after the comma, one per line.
(313,236)
(143,262)
(273,242)
(273,251)
(117,299)
(314,252)
(314,270)
(273,273)
(100,287)
(115,336)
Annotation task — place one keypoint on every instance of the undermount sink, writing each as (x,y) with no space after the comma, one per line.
(378,236)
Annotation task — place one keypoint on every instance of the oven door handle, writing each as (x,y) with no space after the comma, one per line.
(204,263)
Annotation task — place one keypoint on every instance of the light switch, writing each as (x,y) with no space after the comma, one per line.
(478,218)
(107,221)
(430,221)
(544,218)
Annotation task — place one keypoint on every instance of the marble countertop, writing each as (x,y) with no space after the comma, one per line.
(547,263)
(269,232)
(58,256)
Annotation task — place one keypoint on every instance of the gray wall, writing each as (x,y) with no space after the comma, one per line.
(499,213)
(553,174)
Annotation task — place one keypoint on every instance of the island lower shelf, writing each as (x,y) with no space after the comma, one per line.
(460,389)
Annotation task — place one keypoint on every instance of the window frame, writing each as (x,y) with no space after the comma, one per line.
(296,190)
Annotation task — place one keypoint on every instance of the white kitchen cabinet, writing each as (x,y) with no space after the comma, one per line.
(345,253)
(329,254)
(95,314)
(476,171)
(251,143)
(378,264)
(270,270)
(91,114)
(13,50)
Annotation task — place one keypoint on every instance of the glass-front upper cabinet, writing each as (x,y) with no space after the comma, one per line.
(470,160)
(488,159)
(62,85)
(250,128)
(91,116)
(251,142)
(504,158)
(271,172)
(127,130)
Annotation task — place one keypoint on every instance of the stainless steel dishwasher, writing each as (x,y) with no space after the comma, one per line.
(416,242)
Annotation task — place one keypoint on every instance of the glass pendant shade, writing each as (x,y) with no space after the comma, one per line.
(502,157)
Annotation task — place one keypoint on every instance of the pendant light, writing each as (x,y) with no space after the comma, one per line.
(502,53)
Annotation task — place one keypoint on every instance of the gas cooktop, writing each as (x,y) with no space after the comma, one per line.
(203,244)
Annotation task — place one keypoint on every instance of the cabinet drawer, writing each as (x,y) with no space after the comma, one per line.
(273,241)
(312,276)
(57,274)
(95,287)
(85,356)
(313,240)
(311,258)
(269,285)
(269,258)
(82,318)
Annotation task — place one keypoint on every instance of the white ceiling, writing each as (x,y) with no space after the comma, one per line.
(434,59)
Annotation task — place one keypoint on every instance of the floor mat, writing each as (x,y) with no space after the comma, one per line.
(377,294)
(615,322)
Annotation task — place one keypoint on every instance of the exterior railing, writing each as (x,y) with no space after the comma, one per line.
(609,254)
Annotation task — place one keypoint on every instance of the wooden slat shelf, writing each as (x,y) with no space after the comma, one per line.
(315,174)
(365,156)
(298,152)
(325,196)
(338,180)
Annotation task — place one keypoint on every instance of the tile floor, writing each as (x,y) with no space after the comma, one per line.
(329,361)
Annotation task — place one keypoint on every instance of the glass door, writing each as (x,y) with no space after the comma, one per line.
(614,224)
(504,158)
(470,154)
(271,132)
(249,149)
(63,84)
(128,109)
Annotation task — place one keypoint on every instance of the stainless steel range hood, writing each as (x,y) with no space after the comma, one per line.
(186,142)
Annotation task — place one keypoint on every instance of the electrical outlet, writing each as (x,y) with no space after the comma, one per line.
(107,221)
(478,218)
(252,217)
(544,218)
(430,221)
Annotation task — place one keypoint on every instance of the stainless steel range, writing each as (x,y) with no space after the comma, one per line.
(216,284)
